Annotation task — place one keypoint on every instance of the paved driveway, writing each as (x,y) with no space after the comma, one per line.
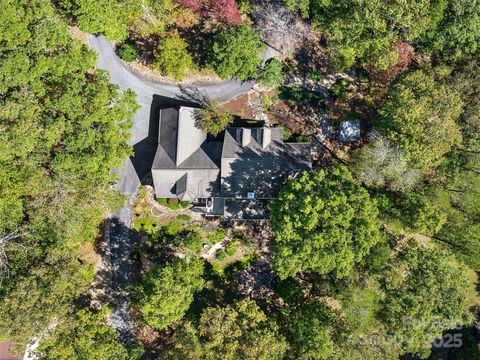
(150,95)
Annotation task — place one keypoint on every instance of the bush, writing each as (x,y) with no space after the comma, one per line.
(173,228)
(193,241)
(341,88)
(242,264)
(314,75)
(162,201)
(297,94)
(221,255)
(231,248)
(271,75)
(217,236)
(183,217)
(172,57)
(127,52)
(184,204)
(173,203)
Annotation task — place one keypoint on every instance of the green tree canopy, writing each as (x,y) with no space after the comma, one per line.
(271,75)
(213,118)
(458,34)
(172,56)
(309,331)
(85,335)
(366,30)
(459,193)
(110,18)
(167,291)
(323,222)
(419,117)
(62,128)
(235,52)
(426,293)
(239,331)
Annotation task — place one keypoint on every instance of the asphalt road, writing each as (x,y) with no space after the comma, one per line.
(145,89)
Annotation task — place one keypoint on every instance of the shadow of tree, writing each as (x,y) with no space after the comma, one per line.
(193,96)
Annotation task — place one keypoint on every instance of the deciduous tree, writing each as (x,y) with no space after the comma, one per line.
(380,165)
(63,128)
(223,10)
(367,30)
(172,56)
(85,335)
(419,117)
(426,294)
(213,118)
(308,331)
(239,331)
(110,18)
(458,33)
(323,222)
(166,292)
(236,52)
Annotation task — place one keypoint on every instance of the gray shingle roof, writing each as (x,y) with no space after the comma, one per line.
(167,132)
(248,160)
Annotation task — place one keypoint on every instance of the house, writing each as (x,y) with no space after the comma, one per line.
(234,178)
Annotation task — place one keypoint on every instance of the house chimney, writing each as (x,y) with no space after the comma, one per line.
(266,137)
(246,136)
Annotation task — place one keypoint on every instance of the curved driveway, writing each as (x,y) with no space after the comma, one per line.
(118,263)
(145,89)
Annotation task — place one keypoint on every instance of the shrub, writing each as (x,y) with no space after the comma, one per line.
(183,217)
(297,94)
(286,132)
(221,254)
(172,57)
(341,88)
(271,75)
(193,241)
(217,236)
(231,248)
(127,52)
(173,203)
(184,204)
(173,228)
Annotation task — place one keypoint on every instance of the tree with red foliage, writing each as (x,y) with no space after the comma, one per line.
(226,11)
(223,10)
(197,6)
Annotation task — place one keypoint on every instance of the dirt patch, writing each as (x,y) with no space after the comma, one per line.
(283,113)
(192,76)
(6,352)
(247,106)
(89,254)
(79,35)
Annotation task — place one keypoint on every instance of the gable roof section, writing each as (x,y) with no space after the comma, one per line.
(167,130)
(189,136)
(232,143)
(181,145)
(185,164)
